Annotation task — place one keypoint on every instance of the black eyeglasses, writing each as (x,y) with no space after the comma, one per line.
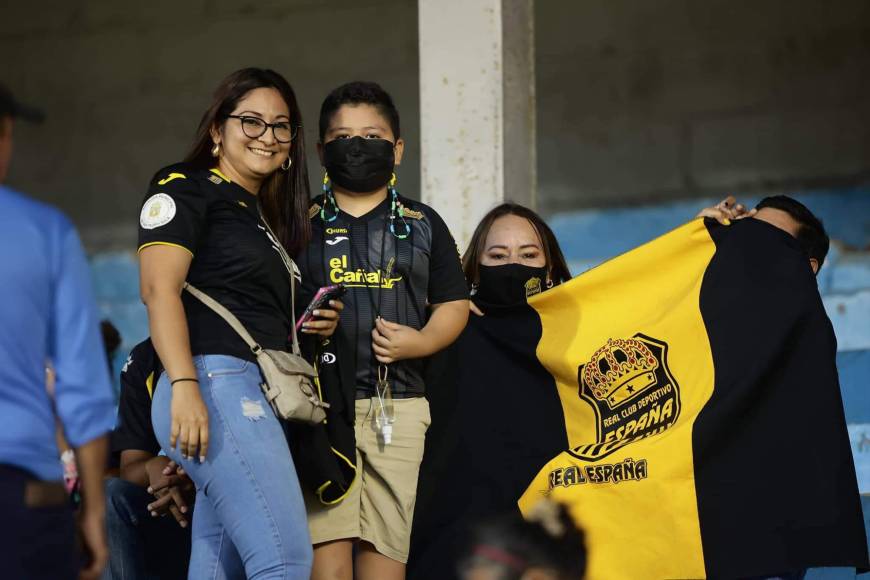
(254,127)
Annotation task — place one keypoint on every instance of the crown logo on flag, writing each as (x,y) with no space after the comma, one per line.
(620,369)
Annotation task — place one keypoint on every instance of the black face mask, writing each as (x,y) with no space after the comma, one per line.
(510,284)
(359,165)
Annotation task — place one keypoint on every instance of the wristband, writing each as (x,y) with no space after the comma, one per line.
(180,380)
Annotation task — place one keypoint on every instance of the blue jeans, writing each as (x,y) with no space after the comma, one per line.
(249,520)
(142,547)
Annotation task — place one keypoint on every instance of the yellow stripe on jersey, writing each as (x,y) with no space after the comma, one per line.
(143,246)
(170,177)
(217,172)
(149,384)
(329,482)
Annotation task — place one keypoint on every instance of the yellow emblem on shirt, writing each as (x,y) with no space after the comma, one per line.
(410,213)
(170,177)
(339,272)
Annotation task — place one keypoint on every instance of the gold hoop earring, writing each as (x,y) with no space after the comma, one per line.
(216,150)
(287,163)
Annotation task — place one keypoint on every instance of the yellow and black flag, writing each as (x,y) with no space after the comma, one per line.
(706,430)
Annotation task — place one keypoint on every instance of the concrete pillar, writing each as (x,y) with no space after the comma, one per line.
(477,108)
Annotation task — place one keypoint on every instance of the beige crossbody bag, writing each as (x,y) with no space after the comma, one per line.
(288,378)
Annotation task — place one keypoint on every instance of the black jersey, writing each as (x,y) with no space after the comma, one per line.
(394,278)
(138,380)
(234,259)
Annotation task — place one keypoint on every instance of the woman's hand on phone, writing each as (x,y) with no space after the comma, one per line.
(325,320)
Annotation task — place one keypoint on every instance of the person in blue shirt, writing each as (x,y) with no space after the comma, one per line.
(47,314)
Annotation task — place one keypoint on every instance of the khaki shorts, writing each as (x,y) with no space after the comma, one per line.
(379,506)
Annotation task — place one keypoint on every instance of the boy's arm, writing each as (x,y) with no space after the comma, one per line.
(445,325)
(392,342)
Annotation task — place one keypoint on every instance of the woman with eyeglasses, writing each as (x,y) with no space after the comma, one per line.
(209,221)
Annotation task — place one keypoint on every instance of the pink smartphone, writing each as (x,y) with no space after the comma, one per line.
(321,300)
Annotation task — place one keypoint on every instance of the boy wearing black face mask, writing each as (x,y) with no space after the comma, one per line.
(406,299)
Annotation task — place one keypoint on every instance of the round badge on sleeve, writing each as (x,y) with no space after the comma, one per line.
(158,211)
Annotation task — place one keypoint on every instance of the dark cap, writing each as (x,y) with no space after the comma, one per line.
(9,107)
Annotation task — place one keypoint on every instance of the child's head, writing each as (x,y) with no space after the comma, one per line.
(366,99)
(359,138)
(547,546)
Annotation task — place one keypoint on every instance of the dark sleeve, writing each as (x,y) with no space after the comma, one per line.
(174,211)
(446,279)
(134,429)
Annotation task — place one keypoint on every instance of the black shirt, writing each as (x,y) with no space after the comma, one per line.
(138,380)
(398,278)
(234,260)
(493,404)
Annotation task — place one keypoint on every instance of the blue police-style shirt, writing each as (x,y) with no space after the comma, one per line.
(47,313)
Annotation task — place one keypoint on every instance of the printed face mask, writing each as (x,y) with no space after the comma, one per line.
(359,165)
(510,284)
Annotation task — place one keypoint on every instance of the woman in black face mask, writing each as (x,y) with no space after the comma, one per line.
(481,458)
(513,255)
(496,414)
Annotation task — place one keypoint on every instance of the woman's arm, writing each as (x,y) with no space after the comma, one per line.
(162,272)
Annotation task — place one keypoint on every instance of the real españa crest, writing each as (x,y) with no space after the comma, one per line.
(632,392)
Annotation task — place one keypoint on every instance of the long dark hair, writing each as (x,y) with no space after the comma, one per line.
(558,268)
(284,194)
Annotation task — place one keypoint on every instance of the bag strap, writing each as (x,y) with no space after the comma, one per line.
(226,315)
(291,270)
(234,322)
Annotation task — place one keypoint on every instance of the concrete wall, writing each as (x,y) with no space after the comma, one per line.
(646,101)
(637,101)
(124,85)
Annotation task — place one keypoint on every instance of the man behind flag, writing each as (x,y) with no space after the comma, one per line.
(706,429)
